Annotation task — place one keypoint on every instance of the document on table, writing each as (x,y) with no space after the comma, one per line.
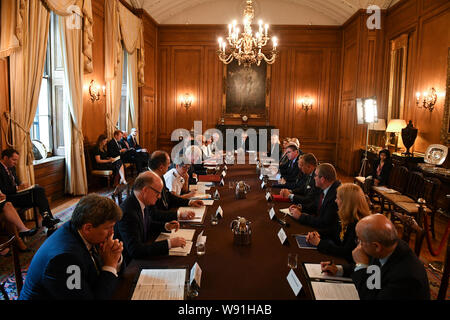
(26,189)
(116,159)
(199,213)
(199,196)
(208,202)
(387,190)
(198,187)
(314,271)
(334,291)
(286,211)
(182,252)
(160,284)
(187,234)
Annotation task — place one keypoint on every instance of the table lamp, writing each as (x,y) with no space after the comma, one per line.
(396,126)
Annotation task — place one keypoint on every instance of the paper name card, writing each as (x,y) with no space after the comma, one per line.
(222,183)
(226,168)
(294,282)
(261,177)
(263,185)
(271,214)
(282,236)
(201,239)
(224,173)
(268,196)
(219,212)
(196,275)
(217,194)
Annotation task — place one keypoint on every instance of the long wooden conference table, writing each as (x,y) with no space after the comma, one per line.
(230,272)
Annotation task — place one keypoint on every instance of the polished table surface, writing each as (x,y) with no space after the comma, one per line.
(230,272)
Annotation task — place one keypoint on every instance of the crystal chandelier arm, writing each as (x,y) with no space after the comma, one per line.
(269,61)
(226,60)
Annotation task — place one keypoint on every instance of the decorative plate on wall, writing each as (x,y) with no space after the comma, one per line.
(436,154)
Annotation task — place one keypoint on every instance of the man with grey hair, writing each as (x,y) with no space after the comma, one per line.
(137,226)
(402,276)
(81,259)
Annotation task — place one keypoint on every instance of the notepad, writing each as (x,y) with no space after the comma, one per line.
(160,284)
(199,213)
(314,271)
(27,189)
(199,196)
(334,291)
(302,243)
(286,211)
(181,252)
(116,159)
(187,234)
(208,202)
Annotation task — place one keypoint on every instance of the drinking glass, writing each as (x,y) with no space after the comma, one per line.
(201,250)
(292,260)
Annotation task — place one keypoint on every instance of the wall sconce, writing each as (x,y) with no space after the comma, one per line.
(94,91)
(306,103)
(429,99)
(186,101)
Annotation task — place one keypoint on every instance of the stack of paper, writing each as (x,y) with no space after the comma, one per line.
(314,271)
(334,291)
(160,284)
(187,234)
(199,213)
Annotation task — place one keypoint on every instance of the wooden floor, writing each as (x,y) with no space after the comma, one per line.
(425,255)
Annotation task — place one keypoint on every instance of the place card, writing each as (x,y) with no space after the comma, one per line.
(196,275)
(294,282)
(217,195)
(201,239)
(271,214)
(226,168)
(263,185)
(224,173)
(219,212)
(282,236)
(268,196)
(261,177)
(222,183)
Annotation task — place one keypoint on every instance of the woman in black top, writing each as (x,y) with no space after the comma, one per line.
(103,162)
(353,207)
(382,168)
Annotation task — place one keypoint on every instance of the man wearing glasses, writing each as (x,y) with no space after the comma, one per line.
(137,226)
(402,275)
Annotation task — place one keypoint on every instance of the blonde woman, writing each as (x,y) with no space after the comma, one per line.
(352,207)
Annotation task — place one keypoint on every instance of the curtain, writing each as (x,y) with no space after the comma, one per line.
(72,47)
(132,92)
(113,65)
(11,25)
(26,70)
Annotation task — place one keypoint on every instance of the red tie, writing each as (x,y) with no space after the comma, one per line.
(320,202)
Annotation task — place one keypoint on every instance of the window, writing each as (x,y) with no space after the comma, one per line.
(122,123)
(48,126)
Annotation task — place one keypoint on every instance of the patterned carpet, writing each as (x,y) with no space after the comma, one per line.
(8,279)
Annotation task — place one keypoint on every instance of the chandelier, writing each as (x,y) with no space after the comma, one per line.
(246,48)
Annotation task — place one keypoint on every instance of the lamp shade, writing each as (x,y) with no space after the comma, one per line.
(396,125)
(378,126)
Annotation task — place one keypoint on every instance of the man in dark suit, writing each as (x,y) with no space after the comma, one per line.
(13,188)
(289,173)
(80,260)
(138,226)
(169,202)
(305,192)
(132,141)
(242,142)
(402,275)
(140,159)
(326,217)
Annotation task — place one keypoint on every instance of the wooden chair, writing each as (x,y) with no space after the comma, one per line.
(409,226)
(108,174)
(10,242)
(397,182)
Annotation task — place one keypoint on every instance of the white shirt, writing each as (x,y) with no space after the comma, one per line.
(174,181)
(104,268)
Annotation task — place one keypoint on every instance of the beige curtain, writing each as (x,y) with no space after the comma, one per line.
(60,7)
(132,92)
(26,69)
(113,65)
(72,46)
(11,25)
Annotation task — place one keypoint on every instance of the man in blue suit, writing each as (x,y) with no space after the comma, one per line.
(80,260)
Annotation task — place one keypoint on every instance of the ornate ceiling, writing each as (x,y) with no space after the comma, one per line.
(291,12)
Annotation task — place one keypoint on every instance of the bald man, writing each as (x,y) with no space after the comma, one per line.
(137,228)
(402,276)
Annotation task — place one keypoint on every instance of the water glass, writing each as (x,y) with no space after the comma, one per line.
(214,219)
(292,260)
(201,249)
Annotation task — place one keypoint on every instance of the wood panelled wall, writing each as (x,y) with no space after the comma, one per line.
(362,66)
(427,22)
(308,65)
